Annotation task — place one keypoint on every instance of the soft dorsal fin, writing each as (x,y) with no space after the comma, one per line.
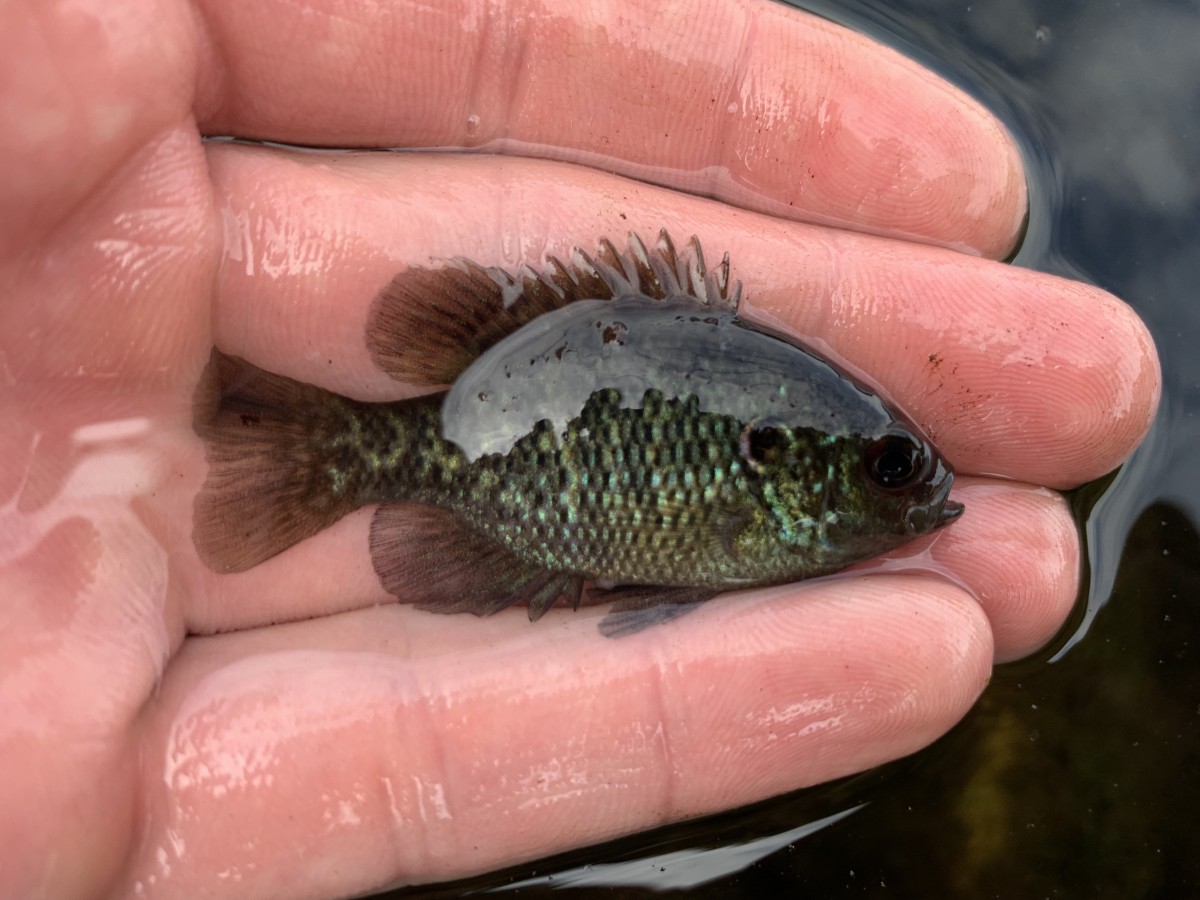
(429,324)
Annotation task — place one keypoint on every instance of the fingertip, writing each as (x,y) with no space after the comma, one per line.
(1018,551)
(1073,379)
(1012,372)
(802,684)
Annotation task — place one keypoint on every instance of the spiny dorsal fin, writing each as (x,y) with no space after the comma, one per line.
(429,324)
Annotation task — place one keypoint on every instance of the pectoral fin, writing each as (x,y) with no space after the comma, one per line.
(638,607)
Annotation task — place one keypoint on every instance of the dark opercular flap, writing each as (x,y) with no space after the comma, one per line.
(428,325)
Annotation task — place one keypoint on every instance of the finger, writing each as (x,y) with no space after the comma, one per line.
(1013,372)
(1020,557)
(388,766)
(758,105)
(1016,550)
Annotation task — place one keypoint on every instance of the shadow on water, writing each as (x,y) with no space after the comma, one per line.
(1078,773)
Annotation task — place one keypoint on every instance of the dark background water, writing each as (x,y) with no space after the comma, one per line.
(1078,773)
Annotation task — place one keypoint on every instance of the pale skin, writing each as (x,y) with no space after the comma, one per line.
(288,731)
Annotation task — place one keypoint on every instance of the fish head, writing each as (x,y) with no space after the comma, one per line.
(834,499)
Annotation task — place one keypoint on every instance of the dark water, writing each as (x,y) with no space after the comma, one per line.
(1078,773)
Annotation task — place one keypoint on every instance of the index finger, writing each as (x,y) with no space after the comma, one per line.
(753,103)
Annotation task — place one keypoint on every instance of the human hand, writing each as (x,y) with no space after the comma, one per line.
(164,734)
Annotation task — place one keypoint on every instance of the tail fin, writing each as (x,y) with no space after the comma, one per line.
(268,485)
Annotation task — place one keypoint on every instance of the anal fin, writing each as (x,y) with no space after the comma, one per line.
(426,556)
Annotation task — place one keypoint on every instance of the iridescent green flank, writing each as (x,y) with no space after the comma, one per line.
(656,494)
(609,421)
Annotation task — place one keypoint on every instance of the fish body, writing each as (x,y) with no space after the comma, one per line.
(611,421)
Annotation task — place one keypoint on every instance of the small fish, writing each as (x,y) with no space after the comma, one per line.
(611,423)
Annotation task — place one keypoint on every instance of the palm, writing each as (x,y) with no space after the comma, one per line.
(385,740)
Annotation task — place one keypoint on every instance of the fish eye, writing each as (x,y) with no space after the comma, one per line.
(763,441)
(895,462)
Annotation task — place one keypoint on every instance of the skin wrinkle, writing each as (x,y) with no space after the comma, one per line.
(424,694)
(657,656)
(549,781)
(797,719)
(481,32)
(518,73)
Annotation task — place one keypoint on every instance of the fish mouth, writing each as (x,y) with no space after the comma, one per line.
(951,510)
(935,513)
